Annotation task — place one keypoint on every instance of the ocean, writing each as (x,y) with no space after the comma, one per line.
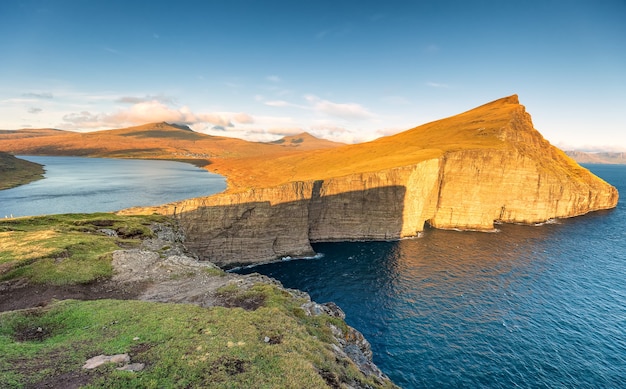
(528,307)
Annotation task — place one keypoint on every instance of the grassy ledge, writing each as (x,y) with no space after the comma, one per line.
(255,334)
(181,345)
(67,249)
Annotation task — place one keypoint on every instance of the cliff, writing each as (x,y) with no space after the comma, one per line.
(465,172)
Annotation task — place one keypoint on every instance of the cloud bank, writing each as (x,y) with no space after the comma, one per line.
(142,112)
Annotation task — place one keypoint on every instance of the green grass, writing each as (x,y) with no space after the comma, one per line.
(67,249)
(181,345)
(15,171)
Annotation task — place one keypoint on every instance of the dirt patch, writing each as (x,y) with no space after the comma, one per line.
(27,334)
(69,380)
(332,380)
(20,294)
(249,302)
(231,365)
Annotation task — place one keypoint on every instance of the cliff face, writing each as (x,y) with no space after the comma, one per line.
(504,171)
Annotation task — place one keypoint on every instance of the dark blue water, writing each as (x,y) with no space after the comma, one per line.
(529,307)
(75,184)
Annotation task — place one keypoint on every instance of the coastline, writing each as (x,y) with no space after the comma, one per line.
(160,270)
(16,171)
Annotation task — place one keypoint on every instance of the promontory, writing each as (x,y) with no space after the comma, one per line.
(468,172)
(464,172)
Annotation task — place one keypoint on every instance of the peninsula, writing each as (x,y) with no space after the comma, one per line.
(464,172)
(484,166)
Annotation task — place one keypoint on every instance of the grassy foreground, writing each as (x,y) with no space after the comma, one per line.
(274,346)
(67,249)
(260,338)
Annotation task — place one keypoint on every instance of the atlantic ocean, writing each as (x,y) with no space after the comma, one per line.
(540,306)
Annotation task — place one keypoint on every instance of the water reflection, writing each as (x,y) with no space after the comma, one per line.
(75,184)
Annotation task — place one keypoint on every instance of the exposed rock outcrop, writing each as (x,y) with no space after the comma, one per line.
(465,172)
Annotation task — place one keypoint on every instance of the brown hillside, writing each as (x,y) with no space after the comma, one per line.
(498,125)
(154,140)
(306,141)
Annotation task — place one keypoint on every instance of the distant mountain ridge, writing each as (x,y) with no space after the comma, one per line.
(153,140)
(306,141)
(604,157)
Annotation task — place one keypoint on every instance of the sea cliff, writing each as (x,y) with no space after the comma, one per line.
(466,172)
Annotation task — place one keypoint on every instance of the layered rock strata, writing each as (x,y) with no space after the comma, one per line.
(504,172)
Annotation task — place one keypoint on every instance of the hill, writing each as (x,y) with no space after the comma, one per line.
(15,171)
(618,158)
(306,141)
(153,141)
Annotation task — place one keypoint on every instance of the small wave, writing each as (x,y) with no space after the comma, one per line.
(283,259)
(549,221)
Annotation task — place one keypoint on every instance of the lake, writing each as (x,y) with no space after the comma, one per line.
(77,184)
(527,307)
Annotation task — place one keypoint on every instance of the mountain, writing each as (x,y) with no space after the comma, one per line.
(306,141)
(469,171)
(153,140)
(606,157)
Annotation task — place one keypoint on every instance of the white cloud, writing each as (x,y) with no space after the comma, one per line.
(243,118)
(151,111)
(279,103)
(42,95)
(273,78)
(438,85)
(350,111)
(135,100)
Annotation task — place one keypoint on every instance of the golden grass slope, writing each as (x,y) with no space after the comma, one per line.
(498,125)
(150,141)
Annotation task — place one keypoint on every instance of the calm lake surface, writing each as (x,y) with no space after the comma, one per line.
(76,184)
(529,307)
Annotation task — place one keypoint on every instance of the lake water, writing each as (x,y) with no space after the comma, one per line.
(76,185)
(528,307)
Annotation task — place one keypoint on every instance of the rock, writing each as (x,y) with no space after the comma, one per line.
(465,172)
(99,360)
(132,367)
(119,358)
(311,308)
(108,232)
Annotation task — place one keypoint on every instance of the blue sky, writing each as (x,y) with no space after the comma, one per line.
(344,70)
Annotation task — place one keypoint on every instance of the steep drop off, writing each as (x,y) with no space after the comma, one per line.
(464,172)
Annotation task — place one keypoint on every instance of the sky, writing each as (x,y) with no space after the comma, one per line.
(348,71)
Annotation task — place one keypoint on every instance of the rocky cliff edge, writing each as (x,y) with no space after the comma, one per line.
(465,172)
